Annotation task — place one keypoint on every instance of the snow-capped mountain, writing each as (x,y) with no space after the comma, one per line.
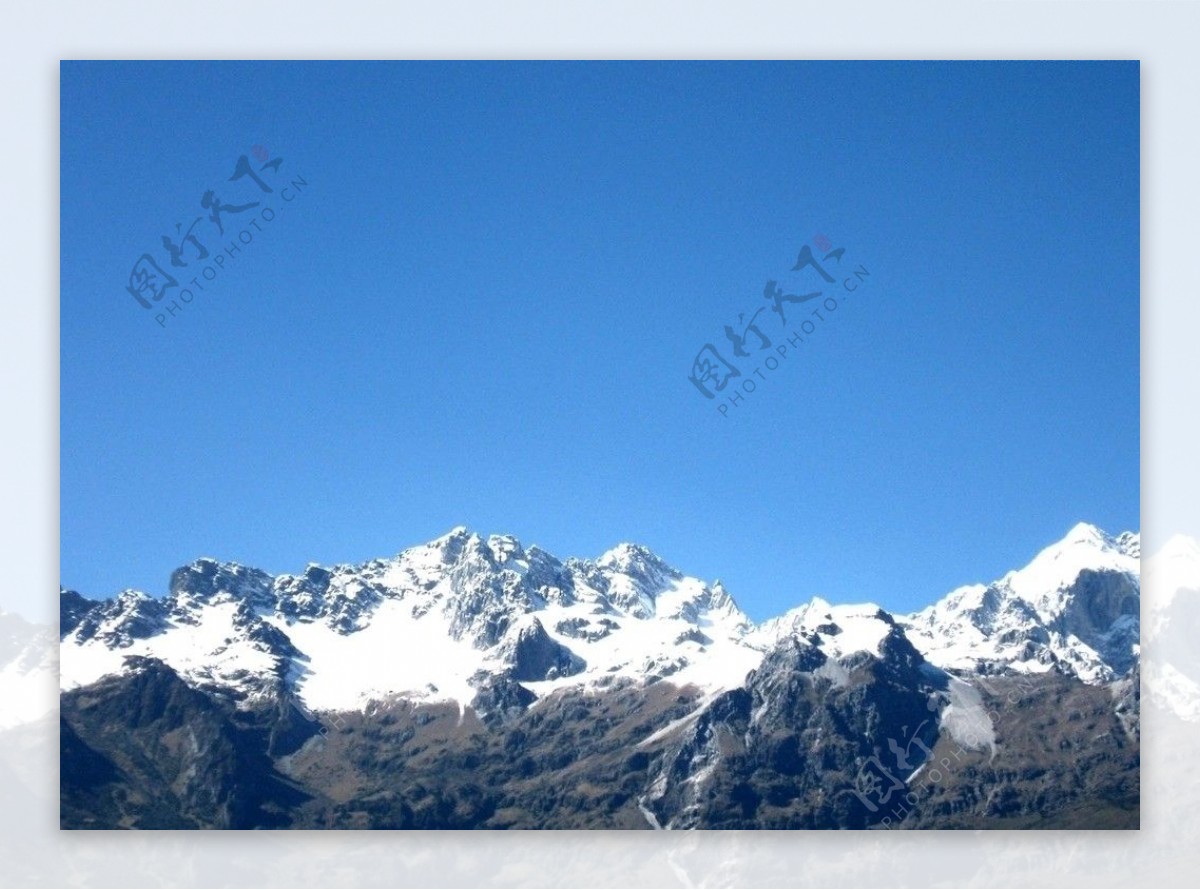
(430,624)
(28,663)
(1171,670)
(838,631)
(1075,607)
(447,620)
(476,682)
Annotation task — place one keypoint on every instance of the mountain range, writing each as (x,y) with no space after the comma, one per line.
(473,682)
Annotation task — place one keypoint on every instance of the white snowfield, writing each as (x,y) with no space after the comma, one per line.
(433,621)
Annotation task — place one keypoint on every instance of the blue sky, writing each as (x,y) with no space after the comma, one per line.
(482,307)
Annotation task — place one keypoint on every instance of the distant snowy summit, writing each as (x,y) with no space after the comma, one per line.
(27,668)
(1172,666)
(1076,607)
(480,620)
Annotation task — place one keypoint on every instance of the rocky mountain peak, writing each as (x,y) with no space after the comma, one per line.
(638,562)
(428,621)
(1073,608)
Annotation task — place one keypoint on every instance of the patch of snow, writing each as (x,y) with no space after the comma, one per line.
(1042,582)
(840,630)
(966,718)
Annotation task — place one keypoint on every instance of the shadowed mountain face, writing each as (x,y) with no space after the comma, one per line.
(795,748)
(145,750)
(475,683)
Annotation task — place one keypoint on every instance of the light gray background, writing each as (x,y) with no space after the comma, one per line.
(33,39)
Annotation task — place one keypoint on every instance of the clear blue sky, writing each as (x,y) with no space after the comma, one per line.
(483,309)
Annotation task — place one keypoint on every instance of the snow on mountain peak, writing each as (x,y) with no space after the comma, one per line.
(634,558)
(438,619)
(1073,607)
(1174,568)
(1181,546)
(504,548)
(28,665)
(1056,568)
(839,631)
(451,546)
(1085,532)
(1171,669)
(426,624)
